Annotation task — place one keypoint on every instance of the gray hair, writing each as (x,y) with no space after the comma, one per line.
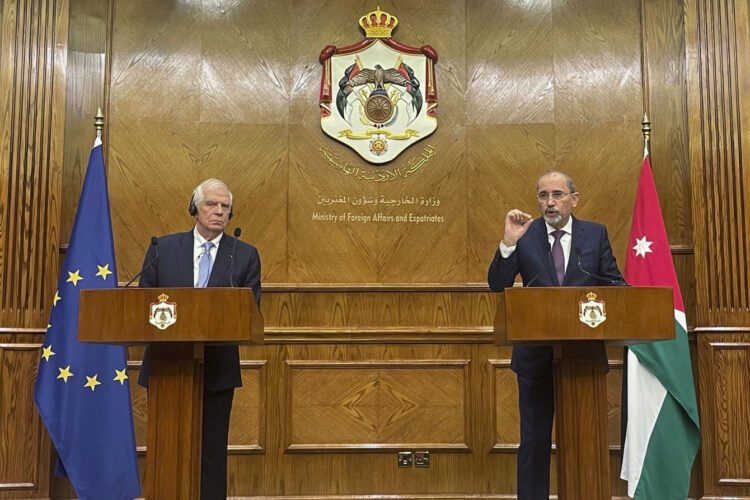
(198,194)
(568,180)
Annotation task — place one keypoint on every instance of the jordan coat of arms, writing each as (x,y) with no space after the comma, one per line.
(378,96)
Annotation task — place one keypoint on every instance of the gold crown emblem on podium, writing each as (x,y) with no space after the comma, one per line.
(591,296)
(163,297)
(378,24)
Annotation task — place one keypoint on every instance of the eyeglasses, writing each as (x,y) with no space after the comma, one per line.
(555,195)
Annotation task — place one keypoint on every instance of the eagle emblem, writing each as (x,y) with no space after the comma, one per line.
(380,91)
(592,312)
(163,314)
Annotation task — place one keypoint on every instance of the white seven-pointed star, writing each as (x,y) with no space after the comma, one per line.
(642,247)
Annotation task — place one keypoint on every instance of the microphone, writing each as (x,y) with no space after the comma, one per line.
(237,232)
(155,244)
(549,261)
(608,281)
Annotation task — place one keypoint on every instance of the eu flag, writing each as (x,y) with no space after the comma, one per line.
(82,390)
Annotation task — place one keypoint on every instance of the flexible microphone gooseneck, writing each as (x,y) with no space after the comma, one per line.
(608,281)
(155,244)
(237,232)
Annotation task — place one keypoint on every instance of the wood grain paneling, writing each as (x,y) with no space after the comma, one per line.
(24,447)
(377,252)
(556,85)
(596,52)
(32,93)
(199,102)
(84,93)
(506,422)
(718,54)
(664,46)
(505,392)
(333,314)
(724,364)
(373,405)
(247,425)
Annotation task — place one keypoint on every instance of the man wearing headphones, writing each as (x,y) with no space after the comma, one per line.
(206,257)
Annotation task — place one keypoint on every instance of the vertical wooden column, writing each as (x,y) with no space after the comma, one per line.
(581,420)
(32,100)
(175,416)
(718,60)
(33,48)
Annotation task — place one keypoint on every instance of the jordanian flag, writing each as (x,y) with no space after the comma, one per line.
(663,432)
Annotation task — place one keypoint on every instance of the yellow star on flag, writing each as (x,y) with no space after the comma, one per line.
(120,377)
(103,271)
(92,382)
(47,352)
(74,277)
(49,325)
(65,373)
(57,297)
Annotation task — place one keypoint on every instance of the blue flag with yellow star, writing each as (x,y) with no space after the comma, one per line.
(82,390)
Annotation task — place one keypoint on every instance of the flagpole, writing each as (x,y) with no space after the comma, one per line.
(646,129)
(99,122)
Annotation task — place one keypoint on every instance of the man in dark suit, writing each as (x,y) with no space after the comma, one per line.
(205,257)
(554,250)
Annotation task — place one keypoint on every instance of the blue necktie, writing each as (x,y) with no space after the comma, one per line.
(558,256)
(204,266)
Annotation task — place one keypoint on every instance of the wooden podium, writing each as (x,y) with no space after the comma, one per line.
(175,403)
(552,316)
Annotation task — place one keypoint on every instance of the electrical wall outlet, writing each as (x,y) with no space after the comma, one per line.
(421,459)
(404,459)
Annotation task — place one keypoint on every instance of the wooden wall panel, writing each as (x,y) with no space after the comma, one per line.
(377,252)
(247,425)
(354,471)
(138,400)
(564,91)
(664,47)
(506,421)
(32,93)
(597,62)
(419,314)
(84,93)
(198,102)
(374,405)
(24,447)
(724,364)
(718,54)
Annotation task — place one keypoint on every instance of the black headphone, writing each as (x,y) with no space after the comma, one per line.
(193,209)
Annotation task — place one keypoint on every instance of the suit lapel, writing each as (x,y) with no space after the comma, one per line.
(541,241)
(185,259)
(577,240)
(219,270)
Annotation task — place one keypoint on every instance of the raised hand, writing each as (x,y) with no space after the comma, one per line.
(516,225)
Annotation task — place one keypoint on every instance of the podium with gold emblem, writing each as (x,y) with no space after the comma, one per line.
(579,322)
(176,323)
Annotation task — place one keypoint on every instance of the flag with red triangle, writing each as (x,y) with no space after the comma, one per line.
(663,431)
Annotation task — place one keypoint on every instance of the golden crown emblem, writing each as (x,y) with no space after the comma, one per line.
(163,297)
(591,296)
(378,24)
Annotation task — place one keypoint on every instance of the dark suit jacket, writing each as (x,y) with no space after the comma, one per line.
(532,258)
(174,268)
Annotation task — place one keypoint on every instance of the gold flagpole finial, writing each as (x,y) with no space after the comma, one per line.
(646,129)
(99,122)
